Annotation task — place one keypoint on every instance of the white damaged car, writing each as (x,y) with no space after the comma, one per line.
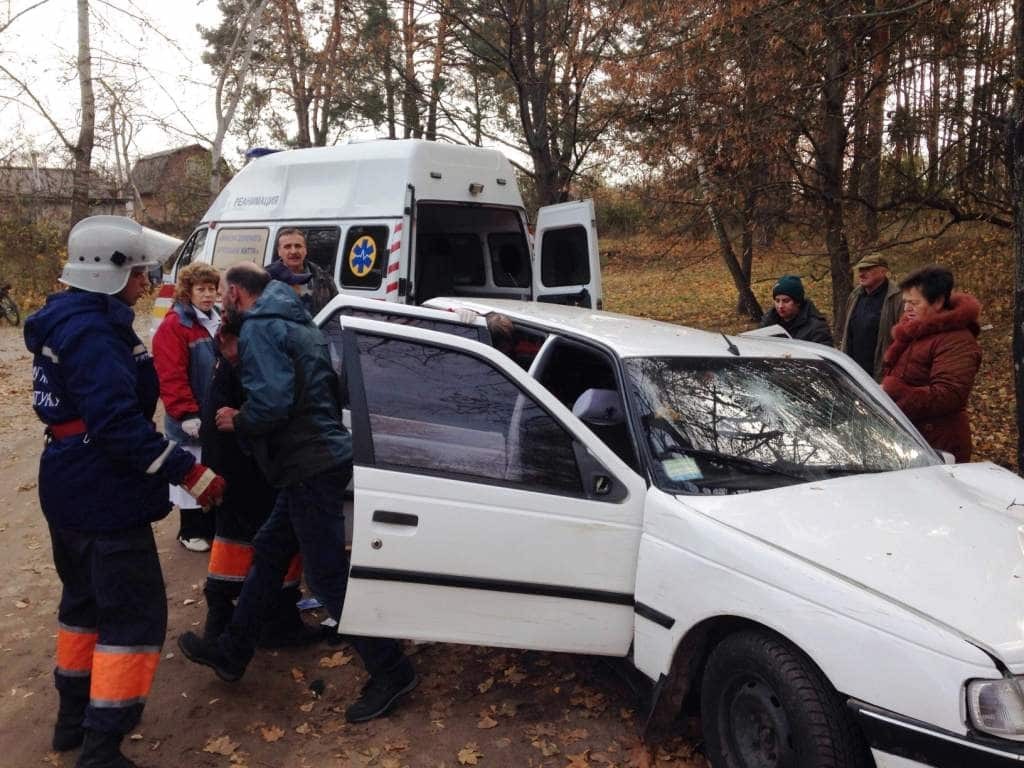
(750,522)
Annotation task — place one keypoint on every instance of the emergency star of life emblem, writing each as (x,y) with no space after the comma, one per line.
(362,256)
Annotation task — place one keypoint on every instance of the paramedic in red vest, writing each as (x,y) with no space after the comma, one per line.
(103,478)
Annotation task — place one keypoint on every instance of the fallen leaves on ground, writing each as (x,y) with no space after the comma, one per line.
(514,675)
(271,734)
(222,745)
(576,734)
(338,659)
(470,754)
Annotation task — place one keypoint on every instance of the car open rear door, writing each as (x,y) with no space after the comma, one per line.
(485,512)
(567,268)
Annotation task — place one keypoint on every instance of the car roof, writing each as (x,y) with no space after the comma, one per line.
(630,336)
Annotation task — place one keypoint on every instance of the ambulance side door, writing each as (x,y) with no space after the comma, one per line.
(567,267)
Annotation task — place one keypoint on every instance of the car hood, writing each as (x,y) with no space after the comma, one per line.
(946,542)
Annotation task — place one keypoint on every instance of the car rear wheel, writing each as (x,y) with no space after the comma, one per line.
(764,704)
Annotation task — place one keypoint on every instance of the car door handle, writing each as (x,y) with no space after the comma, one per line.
(395,518)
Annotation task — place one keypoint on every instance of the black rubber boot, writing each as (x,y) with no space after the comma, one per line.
(284,627)
(67,731)
(219,608)
(210,654)
(103,750)
(382,692)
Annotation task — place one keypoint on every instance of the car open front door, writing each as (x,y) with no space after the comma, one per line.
(568,265)
(485,512)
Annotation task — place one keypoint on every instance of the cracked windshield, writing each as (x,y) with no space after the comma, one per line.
(717,426)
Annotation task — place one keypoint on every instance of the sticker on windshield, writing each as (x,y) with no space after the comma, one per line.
(682,469)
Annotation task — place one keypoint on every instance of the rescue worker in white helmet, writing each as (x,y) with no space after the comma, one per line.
(103,479)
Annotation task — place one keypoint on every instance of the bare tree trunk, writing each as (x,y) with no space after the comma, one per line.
(410,90)
(830,155)
(87,130)
(1015,156)
(871,175)
(934,114)
(233,80)
(748,303)
(389,79)
(436,74)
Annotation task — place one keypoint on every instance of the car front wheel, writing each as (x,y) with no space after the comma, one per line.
(764,704)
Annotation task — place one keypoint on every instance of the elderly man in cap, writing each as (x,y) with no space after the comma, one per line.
(796,313)
(873,308)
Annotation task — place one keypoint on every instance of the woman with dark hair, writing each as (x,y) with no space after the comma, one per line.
(183,353)
(930,367)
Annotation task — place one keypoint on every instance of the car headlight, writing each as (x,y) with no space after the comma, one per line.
(996,707)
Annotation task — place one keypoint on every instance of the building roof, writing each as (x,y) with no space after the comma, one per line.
(52,184)
(149,170)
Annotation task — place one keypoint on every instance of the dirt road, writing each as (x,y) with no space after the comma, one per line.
(474,706)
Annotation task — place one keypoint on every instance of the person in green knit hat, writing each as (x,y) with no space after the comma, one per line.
(796,313)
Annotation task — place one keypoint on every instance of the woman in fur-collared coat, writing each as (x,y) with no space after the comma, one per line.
(931,364)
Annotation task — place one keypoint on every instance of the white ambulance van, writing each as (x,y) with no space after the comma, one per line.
(403,221)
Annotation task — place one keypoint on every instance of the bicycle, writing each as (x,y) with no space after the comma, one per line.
(8,307)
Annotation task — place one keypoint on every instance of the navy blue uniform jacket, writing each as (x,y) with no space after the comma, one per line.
(88,364)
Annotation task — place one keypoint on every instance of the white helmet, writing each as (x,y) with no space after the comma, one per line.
(102,250)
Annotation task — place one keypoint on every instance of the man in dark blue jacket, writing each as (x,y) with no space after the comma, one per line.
(292,418)
(103,479)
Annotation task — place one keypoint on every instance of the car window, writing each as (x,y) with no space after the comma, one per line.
(443,411)
(568,371)
(235,244)
(364,257)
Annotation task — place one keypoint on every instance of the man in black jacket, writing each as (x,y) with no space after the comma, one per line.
(796,313)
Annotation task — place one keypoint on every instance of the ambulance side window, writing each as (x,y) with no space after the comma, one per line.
(364,257)
(322,247)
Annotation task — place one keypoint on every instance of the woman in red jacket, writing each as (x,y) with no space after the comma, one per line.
(931,364)
(183,352)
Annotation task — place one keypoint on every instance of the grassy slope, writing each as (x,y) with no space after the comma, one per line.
(689,285)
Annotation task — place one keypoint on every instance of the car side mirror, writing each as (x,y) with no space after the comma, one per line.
(598,483)
(947,457)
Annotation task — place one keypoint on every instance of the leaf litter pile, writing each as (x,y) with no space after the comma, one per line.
(474,706)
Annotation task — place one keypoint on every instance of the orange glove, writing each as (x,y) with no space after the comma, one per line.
(205,485)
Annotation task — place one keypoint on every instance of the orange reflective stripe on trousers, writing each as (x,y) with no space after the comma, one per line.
(229,560)
(294,573)
(122,675)
(74,650)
